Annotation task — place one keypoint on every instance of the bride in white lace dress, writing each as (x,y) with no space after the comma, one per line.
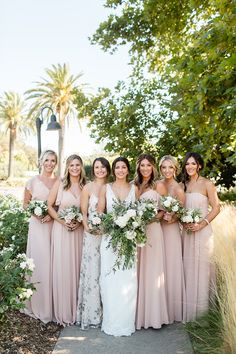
(118,289)
(89,309)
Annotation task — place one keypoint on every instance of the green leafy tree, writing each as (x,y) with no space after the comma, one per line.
(13,119)
(58,92)
(191,46)
(128,120)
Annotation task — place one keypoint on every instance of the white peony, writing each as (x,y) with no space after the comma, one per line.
(38,211)
(121,221)
(131,213)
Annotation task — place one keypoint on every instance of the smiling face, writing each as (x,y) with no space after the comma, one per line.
(75,168)
(192,167)
(146,168)
(168,170)
(49,163)
(99,170)
(121,170)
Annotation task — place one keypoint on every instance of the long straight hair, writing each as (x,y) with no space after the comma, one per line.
(66,178)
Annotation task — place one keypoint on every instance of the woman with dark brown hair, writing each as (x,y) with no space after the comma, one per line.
(151,301)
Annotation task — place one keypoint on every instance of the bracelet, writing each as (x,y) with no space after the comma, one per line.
(208,222)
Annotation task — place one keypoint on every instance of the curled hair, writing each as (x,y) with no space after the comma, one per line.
(105,163)
(138,180)
(44,156)
(122,159)
(173,161)
(199,161)
(66,178)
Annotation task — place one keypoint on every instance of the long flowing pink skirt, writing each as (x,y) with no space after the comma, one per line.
(151,302)
(66,259)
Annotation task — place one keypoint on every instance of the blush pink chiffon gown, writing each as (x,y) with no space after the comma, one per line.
(66,259)
(152,302)
(39,248)
(175,285)
(198,269)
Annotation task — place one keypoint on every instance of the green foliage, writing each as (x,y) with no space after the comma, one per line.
(128,120)
(206,332)
(190,45)
(14,222)
(15,268)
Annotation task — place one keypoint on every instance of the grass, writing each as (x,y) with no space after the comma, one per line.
(215,331)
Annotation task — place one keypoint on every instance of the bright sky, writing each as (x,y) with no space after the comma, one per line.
(34,34)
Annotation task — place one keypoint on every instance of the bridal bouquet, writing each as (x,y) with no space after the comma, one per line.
(125,226)
(95,223)
(189,215)
(38,208)
(71,214)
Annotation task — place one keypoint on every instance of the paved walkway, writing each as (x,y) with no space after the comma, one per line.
(171,339)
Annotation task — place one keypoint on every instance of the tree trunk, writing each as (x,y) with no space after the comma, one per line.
(11,152)
(61,144)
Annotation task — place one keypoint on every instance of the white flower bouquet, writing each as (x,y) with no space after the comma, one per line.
(38,208)
(125,227)
(95,223)
(170,204)
(71,214)
(190,215)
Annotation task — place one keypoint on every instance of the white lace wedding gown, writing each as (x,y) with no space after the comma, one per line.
(118,289)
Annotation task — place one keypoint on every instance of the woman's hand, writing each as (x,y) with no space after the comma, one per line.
(46,218)
(72,226)
(194,227)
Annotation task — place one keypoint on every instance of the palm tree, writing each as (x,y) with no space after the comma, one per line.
(58,92)
(14,119)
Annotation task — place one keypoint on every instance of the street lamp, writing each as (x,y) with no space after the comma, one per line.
(52,125)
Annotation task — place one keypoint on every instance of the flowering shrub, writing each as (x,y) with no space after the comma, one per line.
(15,267)
(14,286)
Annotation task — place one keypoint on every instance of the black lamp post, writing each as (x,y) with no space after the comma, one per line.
(52,125)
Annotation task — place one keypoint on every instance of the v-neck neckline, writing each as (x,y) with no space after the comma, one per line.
(118,199)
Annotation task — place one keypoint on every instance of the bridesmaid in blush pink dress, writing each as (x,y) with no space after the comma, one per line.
(198,237)
(175,284)
(151,302)
(67,240)
(39,240)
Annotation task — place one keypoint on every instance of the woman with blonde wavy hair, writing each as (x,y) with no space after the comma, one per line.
(169,169)
(151,300)
(39,239)
(67,241)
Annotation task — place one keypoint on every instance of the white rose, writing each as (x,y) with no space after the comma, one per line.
(196,219)
(38,211)
(130,235)
(167,203)
(131,213)
(188,218)
(175,208)
(135,224)
(96,220)
(121,221)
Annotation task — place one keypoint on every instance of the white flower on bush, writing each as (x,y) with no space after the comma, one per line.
(28,264)
(38,211)
(121,221)
(130,234)
(26,294)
